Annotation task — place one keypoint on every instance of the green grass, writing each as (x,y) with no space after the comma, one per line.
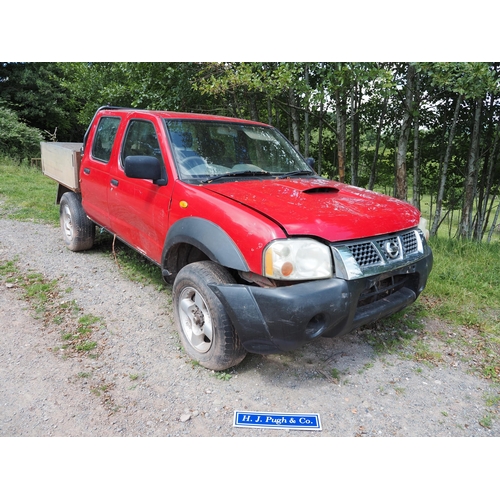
(8,270)
(487,420)
(133,265)
(39,291)
(86,323)
(464,286)
(223,375)
(493,399)
(26,194)
(86,346)
(424,353)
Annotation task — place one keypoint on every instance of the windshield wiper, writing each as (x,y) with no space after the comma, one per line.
(243,173)
(296,172)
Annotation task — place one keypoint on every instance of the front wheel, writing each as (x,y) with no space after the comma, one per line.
(206,331)
(78,230)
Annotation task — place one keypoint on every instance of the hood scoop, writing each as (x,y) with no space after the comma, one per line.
(321,190)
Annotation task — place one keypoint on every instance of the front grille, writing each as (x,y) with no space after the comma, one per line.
(410,243)
(365,254)
(374,252)
(378,255)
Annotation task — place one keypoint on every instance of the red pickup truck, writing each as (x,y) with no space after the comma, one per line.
(263,254)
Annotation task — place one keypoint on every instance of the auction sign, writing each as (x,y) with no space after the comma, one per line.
(299,421)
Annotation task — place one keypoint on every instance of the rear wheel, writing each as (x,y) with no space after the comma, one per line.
(78,230)
(206,331)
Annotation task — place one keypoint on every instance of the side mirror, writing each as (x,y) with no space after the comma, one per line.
(310,162)
(144,167)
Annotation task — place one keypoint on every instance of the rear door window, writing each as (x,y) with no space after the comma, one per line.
(104,138)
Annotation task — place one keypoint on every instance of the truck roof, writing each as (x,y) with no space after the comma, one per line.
(175,115)
(178,115)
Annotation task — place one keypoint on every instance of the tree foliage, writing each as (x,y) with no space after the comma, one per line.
(139,85)
(408,128)
(17,140)
(36,93)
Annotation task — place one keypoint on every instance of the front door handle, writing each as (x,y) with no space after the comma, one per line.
(114,182)
(86,171)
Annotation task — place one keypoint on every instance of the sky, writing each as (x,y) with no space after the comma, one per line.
(222,30)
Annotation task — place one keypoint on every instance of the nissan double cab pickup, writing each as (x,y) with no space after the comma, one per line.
(263,254)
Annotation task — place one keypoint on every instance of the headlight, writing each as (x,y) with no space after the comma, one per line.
(422,225)
(297,259)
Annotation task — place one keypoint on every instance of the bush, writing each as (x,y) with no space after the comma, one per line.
(17,140)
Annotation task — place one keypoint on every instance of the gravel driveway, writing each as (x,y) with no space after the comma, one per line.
(138,381)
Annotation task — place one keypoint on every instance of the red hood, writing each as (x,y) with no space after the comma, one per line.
(326,209)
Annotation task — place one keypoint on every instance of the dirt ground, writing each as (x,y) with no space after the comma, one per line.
(137,381)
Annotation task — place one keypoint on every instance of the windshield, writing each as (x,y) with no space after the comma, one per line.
(207,149)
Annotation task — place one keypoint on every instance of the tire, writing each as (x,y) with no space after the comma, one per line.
(206,331)
(78,230)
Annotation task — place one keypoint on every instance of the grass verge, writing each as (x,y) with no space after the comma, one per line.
(77,331)
(26,194)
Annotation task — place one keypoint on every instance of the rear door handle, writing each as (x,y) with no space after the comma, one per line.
(114,182)
(86,171)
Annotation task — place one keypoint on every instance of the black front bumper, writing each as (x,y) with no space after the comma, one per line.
(271,320)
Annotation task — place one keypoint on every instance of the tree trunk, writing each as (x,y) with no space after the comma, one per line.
(487,178)
(341,133)
(306,118)
(488,215)
(295,119)
(447,156)
(373,170)
(465,226)
(401,182)
(269,112)
(416,149)
(495,220)
(355,103)
(235,105)
(254,112)
(320,135)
